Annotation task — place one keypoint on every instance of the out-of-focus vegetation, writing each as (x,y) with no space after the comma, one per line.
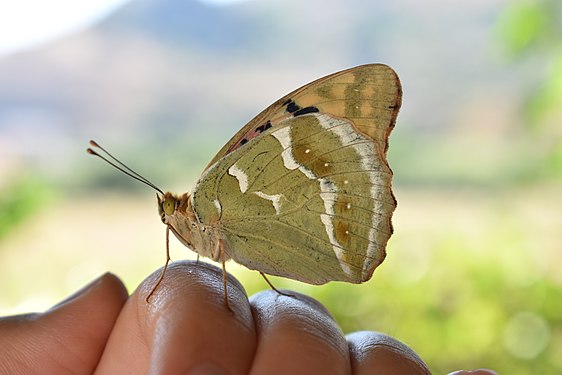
(20,199)
(472,273)
(531,31)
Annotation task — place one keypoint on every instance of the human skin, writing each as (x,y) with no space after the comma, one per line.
(186,328)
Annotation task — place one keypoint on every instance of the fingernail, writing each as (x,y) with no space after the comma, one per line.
(207,368)
(90,286)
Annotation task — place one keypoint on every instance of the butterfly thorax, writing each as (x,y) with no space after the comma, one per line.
(178,214)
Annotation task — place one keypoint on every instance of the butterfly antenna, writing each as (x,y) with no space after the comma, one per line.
(117,164)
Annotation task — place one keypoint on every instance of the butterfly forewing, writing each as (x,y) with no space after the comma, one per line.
(369,95)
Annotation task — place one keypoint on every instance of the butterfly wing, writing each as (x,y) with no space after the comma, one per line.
(309,197)
(370,95)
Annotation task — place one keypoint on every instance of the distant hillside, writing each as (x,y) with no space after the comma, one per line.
(168,73)
(189,24)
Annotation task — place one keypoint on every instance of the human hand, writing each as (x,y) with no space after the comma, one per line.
(186,328)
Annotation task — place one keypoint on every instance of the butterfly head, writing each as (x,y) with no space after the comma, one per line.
(177,213)
(170,205)
(167,205)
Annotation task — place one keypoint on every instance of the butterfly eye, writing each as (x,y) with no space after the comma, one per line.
(169,206)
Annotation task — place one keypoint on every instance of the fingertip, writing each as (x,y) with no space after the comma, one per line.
(108,288)
(89,314)
(292,297)
(371,351)
(186,323)
(82,322)
(195,282)
(277,308)
(298,327)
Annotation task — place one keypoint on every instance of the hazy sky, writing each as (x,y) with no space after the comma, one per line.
(28,23)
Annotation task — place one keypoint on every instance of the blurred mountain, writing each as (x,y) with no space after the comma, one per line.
(184,74)
(188,24)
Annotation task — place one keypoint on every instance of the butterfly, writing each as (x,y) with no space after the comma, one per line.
(303,190)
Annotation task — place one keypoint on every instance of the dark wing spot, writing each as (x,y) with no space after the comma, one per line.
(296,110)
(264,127)
(304,111)
(292,107)
(243,141)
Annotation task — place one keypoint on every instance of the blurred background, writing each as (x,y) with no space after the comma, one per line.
(472,277)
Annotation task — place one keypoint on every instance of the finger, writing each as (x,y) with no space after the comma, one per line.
(69,337)
(373,352)
(297,335)
(184,327)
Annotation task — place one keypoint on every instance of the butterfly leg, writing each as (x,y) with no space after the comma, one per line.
(274,288)
(224,274)
(165,265)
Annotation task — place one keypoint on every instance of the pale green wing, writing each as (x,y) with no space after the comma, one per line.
(310,197)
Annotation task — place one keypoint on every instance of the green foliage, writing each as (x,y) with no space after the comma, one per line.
(548,97)
(19,200)
(522,25)
(532,30)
